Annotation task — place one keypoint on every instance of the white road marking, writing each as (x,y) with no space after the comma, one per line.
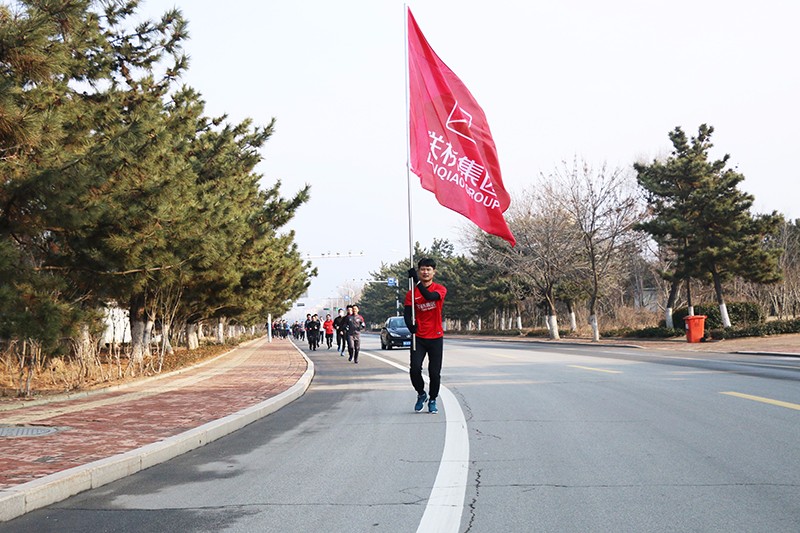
(446,502)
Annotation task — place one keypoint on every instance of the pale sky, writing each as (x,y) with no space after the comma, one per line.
(603,81)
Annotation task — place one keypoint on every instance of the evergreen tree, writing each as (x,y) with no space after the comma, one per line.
(63,66)
(116,188)
(704,219)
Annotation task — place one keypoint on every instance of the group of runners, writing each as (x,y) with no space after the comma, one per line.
(346,328)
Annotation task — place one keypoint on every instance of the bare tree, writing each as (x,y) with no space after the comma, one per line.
(603,205)
(786,295)
(545,254)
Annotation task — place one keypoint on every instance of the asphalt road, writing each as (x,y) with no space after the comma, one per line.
(529,438)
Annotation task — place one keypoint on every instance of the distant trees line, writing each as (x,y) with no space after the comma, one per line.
(118,190)
(607,244)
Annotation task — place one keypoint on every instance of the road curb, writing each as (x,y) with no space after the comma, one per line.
(26,497)
(612,344)
(773,354)
(560,342)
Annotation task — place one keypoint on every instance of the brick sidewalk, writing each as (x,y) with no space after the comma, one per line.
(110,423)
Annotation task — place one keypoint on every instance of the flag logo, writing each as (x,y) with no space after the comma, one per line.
(459,122)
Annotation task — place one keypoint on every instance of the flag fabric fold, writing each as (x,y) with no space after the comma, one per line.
(451,147)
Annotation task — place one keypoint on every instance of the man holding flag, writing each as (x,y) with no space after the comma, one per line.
(423,316)
(451,149)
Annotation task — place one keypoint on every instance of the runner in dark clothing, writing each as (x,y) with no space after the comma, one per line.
(355,323)
(338,325)
(312,332)
(428,298)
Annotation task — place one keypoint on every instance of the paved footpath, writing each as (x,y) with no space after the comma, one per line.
(109,434)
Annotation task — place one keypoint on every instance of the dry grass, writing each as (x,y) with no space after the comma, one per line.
(58,375)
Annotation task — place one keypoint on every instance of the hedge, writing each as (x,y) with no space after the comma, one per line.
(775,327)
(742,314)
(655,332)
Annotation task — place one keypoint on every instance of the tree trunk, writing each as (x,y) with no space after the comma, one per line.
(689,304)
(595,328)
(723,312)
(553,326)
(137,319)
(220,330)
(673,295)
(573,322)
(723,309)
(166,345)
(86,351)
(192,342)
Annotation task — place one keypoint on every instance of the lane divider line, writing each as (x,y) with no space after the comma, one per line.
(761,399)
(446,502)
(596,369)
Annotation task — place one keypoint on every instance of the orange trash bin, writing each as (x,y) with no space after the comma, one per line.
(695,327)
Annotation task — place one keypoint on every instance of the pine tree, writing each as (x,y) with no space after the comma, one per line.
(700,215)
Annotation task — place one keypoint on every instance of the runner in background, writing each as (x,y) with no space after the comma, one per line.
(327,326)
(341,337)
(355,323)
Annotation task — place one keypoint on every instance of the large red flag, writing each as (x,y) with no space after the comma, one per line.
(452,150)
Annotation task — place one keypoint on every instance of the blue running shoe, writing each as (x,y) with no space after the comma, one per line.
(432,407)
(420,401)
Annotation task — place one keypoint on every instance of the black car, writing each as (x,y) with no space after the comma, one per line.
(395,333)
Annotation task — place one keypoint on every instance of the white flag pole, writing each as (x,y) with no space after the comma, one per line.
(408,175)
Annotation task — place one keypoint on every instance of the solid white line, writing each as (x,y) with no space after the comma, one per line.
(446,502)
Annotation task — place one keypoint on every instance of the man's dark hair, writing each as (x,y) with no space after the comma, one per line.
(426,262)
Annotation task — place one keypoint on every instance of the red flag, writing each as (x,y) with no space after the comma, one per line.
(452,150)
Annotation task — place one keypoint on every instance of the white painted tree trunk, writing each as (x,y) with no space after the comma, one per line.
(192,342)
(668,318)
(86,346)
(141,335)
(201,334)
(220,330)
(166,345)
(137,348)
(595,328)
(479,324)
(573,322)
(691,310)
(723,311)
(148,335)
(519,322)
(553,327)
